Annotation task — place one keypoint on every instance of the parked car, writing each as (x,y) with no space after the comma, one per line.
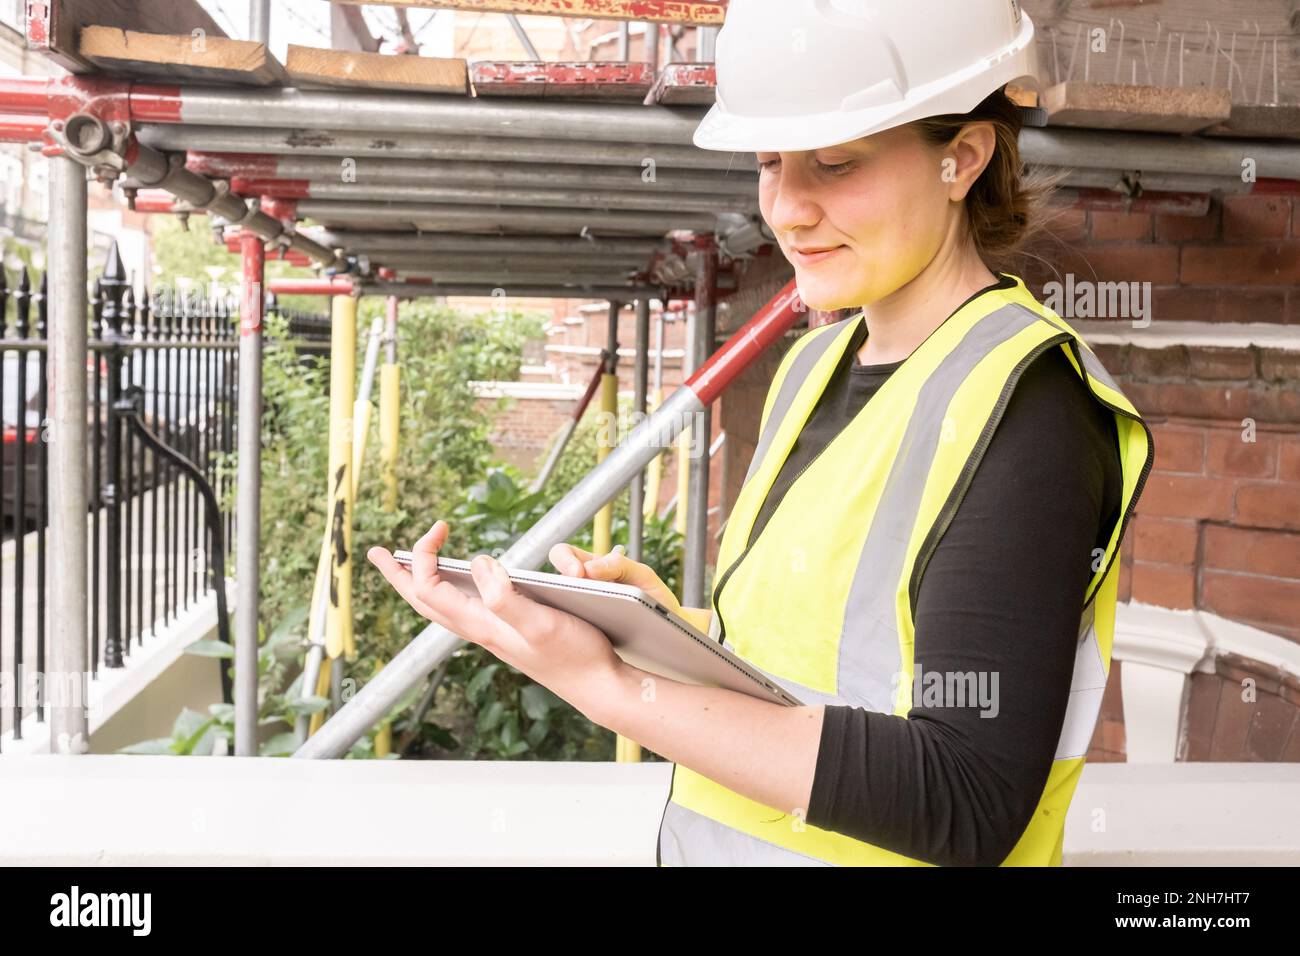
(191,408)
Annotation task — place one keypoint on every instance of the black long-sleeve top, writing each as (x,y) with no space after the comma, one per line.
(1002,593)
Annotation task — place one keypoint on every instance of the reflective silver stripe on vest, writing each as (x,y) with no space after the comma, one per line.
(687,838)
(1087,686)
(1091,364)
(800,368)
(868,653)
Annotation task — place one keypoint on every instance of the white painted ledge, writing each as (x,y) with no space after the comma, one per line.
(626,352)
(1160,335)
(551,391)
(271,811)
(114,688)
(1185,814)
(212,811)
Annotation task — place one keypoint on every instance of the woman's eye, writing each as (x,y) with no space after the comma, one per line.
(836,169)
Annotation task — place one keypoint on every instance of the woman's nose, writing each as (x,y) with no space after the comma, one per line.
(792,204)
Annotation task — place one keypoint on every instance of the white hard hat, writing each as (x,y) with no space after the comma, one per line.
(807,74)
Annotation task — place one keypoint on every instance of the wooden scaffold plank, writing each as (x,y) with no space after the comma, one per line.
(180,57)
(53,26)
(313,67)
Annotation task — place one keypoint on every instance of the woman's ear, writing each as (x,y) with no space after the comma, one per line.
(967,156)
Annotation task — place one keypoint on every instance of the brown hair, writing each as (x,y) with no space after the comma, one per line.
(1006,206)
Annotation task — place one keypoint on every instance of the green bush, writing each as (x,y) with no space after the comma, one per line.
(445,469)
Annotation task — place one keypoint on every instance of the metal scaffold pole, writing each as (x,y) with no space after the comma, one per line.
(655,469)
(66,431)
(640,373)
(248,495)
(690,362)
(259,20)
(697,513)
(435,643)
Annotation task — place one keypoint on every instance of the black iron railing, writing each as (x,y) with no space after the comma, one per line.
(174,358)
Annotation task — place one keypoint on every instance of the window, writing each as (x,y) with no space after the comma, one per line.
(11,14)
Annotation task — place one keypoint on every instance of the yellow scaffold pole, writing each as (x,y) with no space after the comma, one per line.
(341,494)
(390,408)
(607,434)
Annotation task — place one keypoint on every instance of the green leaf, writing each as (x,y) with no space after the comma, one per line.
(537,701)
(362,749)
(190,743)
(160,745)
(515,749)
(211,648)
(537,732)
(281,745)
(489,718)
(439,735)
(287,629)
(480,681)
(306,706)
(202,747)
(222,711)
(188,723)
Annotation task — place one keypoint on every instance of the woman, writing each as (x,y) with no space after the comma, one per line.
(925,548)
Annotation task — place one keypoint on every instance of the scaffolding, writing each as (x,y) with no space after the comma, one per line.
(576,180)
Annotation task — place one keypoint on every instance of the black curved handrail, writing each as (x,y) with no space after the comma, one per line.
(128,406)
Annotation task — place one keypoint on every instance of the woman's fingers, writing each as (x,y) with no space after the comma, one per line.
(615,566)
(577,563)
(574,561)
(400,578)
(570,559)
(424,556)
(501,599)
(439,601)
(618,567)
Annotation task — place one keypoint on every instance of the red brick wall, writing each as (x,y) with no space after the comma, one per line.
(1239,263)
(1218,527)
(1243,711)
(527,422)
(1109,742)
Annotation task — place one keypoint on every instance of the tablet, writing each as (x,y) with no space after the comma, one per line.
(644,633)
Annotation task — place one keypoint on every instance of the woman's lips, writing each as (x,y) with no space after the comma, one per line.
(810,259)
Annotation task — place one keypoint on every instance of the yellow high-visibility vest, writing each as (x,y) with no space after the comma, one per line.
(823,600)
